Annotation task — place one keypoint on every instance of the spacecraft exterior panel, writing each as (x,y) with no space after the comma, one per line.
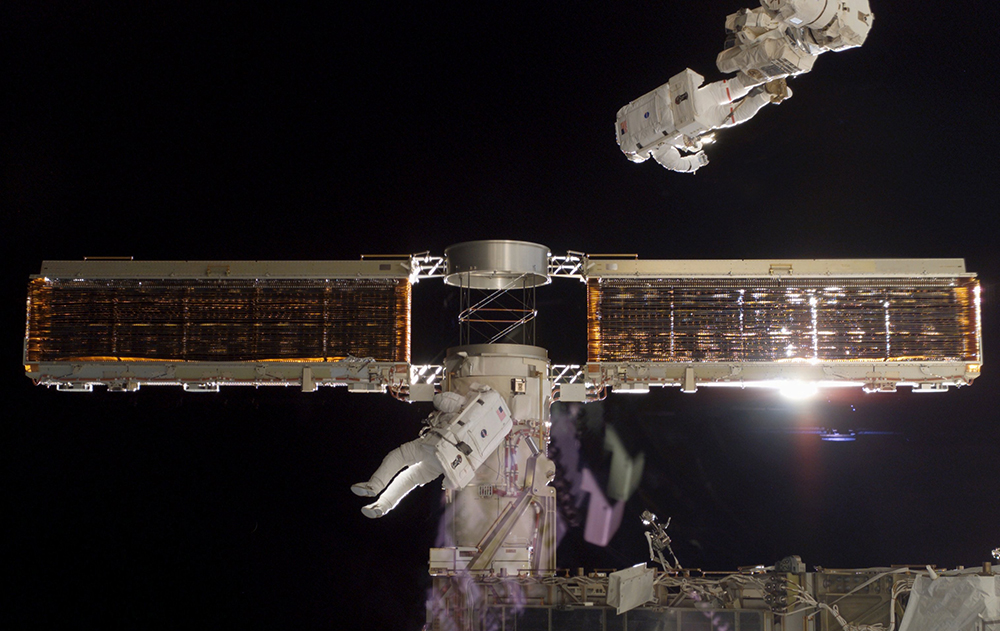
(217,319)
(199,324)
(783,320)
(875,323)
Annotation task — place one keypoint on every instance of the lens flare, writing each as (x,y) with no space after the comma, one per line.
(798,390)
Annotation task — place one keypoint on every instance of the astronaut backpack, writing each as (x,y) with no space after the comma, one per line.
(472,437)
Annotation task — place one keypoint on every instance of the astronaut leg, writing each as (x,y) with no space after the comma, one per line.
(728,90)
(412,477)
(744,110)
(405,455)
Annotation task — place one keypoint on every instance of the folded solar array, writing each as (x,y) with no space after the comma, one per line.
(218,319)
(769,320)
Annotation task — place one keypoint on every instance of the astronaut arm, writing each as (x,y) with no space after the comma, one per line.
(671,159)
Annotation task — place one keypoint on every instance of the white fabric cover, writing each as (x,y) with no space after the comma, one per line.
(671,159)
(951,603)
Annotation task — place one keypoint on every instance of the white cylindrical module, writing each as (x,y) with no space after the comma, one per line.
(520,374)
(495,264)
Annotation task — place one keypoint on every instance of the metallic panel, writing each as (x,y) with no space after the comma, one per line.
(496,264)
(606,267)
(113,269)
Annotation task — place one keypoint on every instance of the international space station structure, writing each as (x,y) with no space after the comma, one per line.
(874,324)
(879,325)
(764,46)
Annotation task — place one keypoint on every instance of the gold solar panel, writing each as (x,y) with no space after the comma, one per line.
(218,319)
(768,320)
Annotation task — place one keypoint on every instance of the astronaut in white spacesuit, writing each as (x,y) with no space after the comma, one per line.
(765,45)
(678,115)
(461,434)
(783,38)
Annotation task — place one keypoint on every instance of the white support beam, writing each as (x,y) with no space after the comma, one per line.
(870,376)
(118,269)
(358,375)
(774,268)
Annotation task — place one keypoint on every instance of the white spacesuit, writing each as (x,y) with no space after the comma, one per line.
(461,434)
(676,116)
(782,38)
(779,39)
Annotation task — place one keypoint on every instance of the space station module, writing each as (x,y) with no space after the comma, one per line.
(782,38)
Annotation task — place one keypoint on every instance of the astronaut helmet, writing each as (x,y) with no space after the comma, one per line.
(448,402)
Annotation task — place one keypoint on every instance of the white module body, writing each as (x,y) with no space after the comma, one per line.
(518,378)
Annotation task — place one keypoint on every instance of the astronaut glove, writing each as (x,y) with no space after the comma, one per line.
(694,162)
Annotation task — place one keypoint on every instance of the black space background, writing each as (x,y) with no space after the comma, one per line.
(167,130)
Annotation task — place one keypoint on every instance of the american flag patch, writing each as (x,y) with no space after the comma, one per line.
(500,413)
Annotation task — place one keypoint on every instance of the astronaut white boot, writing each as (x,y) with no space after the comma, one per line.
(373,511)
(366,489)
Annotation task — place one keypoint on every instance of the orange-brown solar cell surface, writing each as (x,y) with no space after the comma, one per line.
(767,320)
(218,319)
